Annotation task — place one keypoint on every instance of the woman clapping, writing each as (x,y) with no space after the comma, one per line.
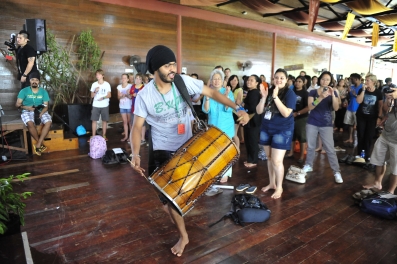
(277,128)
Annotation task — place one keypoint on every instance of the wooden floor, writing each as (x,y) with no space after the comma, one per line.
(85,212)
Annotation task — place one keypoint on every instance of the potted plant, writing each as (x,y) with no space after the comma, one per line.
(67,73)
(12,209)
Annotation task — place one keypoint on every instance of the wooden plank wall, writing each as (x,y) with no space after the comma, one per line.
(206,44)
(123,31)
(119,31)
(292,51)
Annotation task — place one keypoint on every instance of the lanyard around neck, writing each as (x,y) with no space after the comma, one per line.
(169,104)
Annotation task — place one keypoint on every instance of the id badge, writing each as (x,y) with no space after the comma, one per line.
(181,129)
(268,115)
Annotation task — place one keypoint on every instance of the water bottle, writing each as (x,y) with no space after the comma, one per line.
(362,154)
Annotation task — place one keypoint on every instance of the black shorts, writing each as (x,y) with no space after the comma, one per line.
(159,158)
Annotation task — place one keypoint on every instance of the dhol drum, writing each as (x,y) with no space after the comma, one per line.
(195,166)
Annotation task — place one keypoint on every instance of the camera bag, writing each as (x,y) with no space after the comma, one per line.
(246,208)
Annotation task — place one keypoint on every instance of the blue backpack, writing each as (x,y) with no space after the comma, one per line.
(382,207)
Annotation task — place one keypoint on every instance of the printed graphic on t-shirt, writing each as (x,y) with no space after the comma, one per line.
(298,100)
(170,111)
(369,104)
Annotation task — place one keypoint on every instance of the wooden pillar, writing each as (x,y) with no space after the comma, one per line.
(330,59)
(273,56)
(179,44)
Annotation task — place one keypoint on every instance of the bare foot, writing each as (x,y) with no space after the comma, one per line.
(250,165)
(375,185)
(224,179)
(323,152)
(268,187)
(277,193)
(178,248)
(348,141)
(123,139)
(317,149)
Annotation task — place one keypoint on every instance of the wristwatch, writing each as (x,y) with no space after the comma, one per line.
(24,75)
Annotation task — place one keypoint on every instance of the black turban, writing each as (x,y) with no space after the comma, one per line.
(159,56)
(34,74)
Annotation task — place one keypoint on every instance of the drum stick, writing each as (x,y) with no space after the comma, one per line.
(230,187)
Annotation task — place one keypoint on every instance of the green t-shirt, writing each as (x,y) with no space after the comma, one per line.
(29,98)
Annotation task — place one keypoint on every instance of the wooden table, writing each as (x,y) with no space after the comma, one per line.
(11,126)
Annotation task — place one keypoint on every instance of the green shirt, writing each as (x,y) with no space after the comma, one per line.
(29,98)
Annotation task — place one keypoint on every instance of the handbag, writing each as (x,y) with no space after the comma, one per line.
(296,174)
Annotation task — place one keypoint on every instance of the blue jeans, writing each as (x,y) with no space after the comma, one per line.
(278,139)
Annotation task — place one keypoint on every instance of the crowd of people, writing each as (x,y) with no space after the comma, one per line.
(304,110)
(273,115)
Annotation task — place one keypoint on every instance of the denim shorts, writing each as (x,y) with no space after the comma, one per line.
(278,139)
(125,111)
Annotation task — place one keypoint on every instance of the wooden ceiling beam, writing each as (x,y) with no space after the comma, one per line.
(305,8)
(226,3)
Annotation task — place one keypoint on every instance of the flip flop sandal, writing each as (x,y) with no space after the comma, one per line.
(251,189)
(242,187)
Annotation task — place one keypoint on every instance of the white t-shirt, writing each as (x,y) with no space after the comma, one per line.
(194,98)
(104,88)
(163,114)
(313,87)
(125,103)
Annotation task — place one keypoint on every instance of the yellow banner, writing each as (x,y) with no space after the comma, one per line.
(375,34)
(348,25)
(330,1)
(395,42)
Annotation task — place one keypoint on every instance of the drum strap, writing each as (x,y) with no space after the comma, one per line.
(181,86)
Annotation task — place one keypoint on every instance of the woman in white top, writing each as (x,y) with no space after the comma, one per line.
(314,84)
(123,94)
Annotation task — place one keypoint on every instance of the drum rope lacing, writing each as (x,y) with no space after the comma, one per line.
(203,170)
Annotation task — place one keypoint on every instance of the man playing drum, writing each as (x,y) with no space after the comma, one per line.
(163,108)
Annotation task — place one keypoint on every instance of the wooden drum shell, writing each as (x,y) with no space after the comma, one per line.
(195,166)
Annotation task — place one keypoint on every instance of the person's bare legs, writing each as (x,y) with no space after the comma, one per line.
(44,133)
(32,130)
(178,220)
(124,116)
(379,173)
(350,140)
(236,138)
(303,148)
(94,126)
(320,144)
(291,152)
(392,183)
(278,171)
(241,134)
(272,176)
(104,127)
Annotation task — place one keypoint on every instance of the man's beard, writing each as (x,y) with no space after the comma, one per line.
(164,79)
(34,85)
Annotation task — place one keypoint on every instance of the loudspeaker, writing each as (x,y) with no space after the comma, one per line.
(77,114)
(37,34)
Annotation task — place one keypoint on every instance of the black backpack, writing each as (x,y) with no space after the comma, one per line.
(246,208)
(111,157)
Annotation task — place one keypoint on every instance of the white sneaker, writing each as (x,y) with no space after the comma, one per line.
(338,177)
(307,168)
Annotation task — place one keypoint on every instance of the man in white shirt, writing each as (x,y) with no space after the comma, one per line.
(100,92)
